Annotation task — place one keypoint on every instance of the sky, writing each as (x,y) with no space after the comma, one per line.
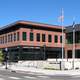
(43,11)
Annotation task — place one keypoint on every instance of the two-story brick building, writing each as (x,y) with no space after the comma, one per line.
(26,40)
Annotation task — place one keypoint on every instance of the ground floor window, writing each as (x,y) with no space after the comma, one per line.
(77,54)
(32,53)
(69,54)
(53,54)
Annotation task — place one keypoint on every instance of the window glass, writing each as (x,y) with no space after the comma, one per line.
(24,36)
(43,38)
(17,36)
(56,38)
(14,36)
(9,38)
(49,38)
(60,39)
(31,37)
(5,38)
(38,37)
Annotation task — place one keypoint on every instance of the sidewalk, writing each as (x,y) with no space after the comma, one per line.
(43,71)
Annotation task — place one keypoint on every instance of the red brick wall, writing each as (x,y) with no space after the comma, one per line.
(34,43)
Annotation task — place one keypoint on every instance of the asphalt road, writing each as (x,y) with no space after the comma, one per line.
(8,75)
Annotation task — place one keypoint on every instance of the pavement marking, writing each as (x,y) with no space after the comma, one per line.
(14,77)
(35,73)
(31,73)
(43,76)
(30,77)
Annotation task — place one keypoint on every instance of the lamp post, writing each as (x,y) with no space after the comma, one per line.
(6,57)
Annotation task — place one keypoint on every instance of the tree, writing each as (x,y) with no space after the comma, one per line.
(1,56)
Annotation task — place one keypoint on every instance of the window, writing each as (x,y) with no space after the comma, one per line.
(17,36)
(49,38)
(11,37)
(69,54)
(60,39)
(5,38)
(55,38)
(77,37)
(1,40)
(77,53)
(14,36)
(24,36)
(31,37)
(38,37)
(43,37)
(69,38)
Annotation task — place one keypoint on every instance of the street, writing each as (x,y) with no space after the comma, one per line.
(8,75)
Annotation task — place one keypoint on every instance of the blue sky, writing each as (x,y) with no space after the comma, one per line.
(44,11)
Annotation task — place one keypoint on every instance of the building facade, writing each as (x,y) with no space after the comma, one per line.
(24,40)
(72,43)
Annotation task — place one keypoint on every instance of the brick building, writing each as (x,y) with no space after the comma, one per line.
(26,40)
(69,41)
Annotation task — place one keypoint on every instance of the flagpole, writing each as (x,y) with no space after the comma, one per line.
(73,51)
(62,14)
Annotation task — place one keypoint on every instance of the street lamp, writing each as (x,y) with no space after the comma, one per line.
(6,57)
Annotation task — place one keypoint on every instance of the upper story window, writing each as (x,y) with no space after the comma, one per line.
(14,36)
(49,38)
(38,37)
(43,38)
(55,38)
(69,38)
(60,39)
(31,36)
(9,38)
(5,38)
(1,40)
(24,36)
(17,36)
